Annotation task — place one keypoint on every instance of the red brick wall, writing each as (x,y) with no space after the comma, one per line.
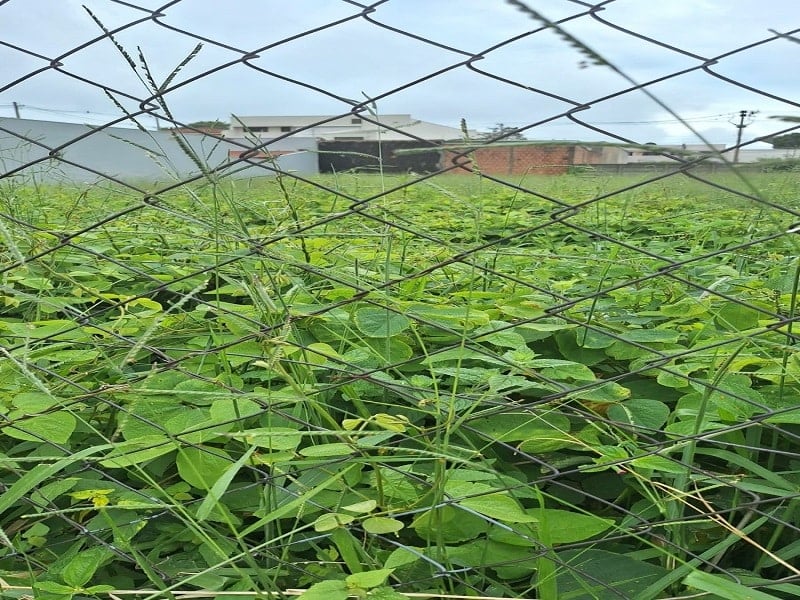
(514,160)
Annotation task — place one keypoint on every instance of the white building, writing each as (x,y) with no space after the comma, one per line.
(348,128)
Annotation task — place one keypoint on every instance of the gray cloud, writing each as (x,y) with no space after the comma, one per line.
(357,56)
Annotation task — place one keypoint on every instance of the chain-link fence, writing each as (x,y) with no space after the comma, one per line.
(464,366)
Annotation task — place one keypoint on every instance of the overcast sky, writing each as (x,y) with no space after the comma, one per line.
(357,58)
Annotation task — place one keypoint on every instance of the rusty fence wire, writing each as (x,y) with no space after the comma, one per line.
(547,381)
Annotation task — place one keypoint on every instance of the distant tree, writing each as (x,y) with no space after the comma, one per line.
(209,124)
(789,140)
(503,129)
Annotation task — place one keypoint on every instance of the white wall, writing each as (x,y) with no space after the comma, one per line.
(57,152)
(754,155)
(324,127)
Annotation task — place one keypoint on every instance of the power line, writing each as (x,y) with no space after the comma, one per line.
(743,114)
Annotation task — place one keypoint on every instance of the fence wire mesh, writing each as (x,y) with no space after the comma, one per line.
(578,386)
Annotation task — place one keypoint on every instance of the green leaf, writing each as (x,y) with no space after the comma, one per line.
(138,451)
(331,521)
(272,438)
(623,350)
(54,587)
(361,507)
(380,525)
(218,489)
(234,409)
(736,317)
(506,338)
(194,421)
(609,391)
(47,493)
(84,565)
(792,416)
(243,352)
(511,427)
(641,412)
(386,593)
(350,549)
(451,317)
(714,584)
(390,350)
(35,402)
(524,309)
(456,355)
(56,427)
(653,462)
(498,506)
(74,356)
(380,322)
(509,562)
(39,473)
(202,468)
(685,308)
(146,415)
(651,336)
(678,374)
(585,574)
(319,353)
(449,524)
(562,369)
(368,579)
(680,429)
(394,423)
(567,342)
(550,441)
(326,450)
(734,399)
(590,338)
(610,457)
(403,556)
(326,590)
(565,527)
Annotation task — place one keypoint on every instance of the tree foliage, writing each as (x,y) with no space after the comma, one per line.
(789,140)
(508,132)
(215,124)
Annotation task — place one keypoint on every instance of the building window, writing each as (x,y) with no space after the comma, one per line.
(286,128)
(258,129)
(349,139)
(355,121)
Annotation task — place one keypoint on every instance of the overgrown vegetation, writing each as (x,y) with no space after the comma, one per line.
(455,387)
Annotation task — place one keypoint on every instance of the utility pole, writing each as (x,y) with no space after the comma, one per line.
(743,114)
(16,109)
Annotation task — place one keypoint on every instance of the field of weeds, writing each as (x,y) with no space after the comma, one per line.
(577,388)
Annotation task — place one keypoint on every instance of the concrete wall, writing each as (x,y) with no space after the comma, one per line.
(60,152)
(659,168)
(586,154)
(748,155)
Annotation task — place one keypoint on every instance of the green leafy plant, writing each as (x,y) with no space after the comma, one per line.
(221,402)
